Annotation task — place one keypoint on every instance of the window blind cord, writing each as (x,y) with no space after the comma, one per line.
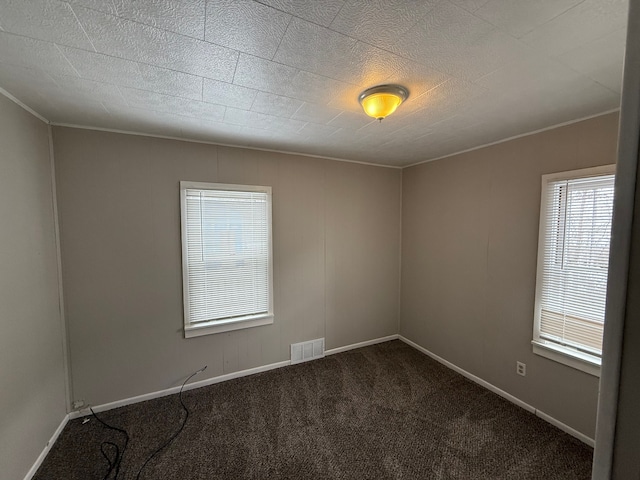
(115,464)
(175,435)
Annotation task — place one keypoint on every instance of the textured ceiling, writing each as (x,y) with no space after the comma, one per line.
(285,74)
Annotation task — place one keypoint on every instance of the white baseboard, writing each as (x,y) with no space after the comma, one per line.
(470,376)
(566,428)
(210,381)
(34,468)
(170,391)
(366,343)
(272,366)
(557,423)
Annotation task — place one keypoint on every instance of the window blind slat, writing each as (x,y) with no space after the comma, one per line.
(227,253)
(575,261)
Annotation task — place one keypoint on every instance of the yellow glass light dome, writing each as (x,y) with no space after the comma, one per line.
(381,101)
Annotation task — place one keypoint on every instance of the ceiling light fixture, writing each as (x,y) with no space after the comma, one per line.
(381,101)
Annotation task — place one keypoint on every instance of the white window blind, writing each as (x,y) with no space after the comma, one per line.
(226,253)
(572,275)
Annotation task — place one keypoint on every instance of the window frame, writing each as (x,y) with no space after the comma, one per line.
(195,329)
(578,359)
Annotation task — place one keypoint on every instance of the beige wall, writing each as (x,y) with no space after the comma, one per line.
(469,248)
(336,230)
(32,381)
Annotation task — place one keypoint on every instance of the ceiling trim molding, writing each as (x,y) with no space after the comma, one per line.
(190,140)
(26,107)
(286,152)
(515,137)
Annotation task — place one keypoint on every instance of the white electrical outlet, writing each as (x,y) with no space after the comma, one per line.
(78,404)
(521,369)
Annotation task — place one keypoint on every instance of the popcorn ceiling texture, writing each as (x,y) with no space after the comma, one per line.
(285,75)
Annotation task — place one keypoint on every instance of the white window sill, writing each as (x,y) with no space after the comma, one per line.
(219,326)
(579,360)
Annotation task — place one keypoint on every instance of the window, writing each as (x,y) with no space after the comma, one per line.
(226,257)
(573,259)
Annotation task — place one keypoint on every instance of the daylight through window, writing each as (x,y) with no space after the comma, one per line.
(573,259)
(227,278)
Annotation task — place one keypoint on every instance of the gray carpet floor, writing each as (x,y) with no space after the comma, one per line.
(380,412)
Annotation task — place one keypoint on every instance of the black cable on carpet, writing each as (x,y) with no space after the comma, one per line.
(114,464)
(179,431)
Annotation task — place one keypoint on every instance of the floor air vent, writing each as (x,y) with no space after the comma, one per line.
(305,351)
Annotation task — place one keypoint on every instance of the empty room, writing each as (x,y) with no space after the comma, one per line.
(339,239)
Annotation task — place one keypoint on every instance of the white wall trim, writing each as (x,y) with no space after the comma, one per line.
(170,391)
(556,423)
(273,366)
(470,376)
(68,387)
(213,380)
(566,428)
(515,137)
(400,227)
(218,144)
(366,343)
(218,379)
(34,468)
(26,107)
(186,139)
